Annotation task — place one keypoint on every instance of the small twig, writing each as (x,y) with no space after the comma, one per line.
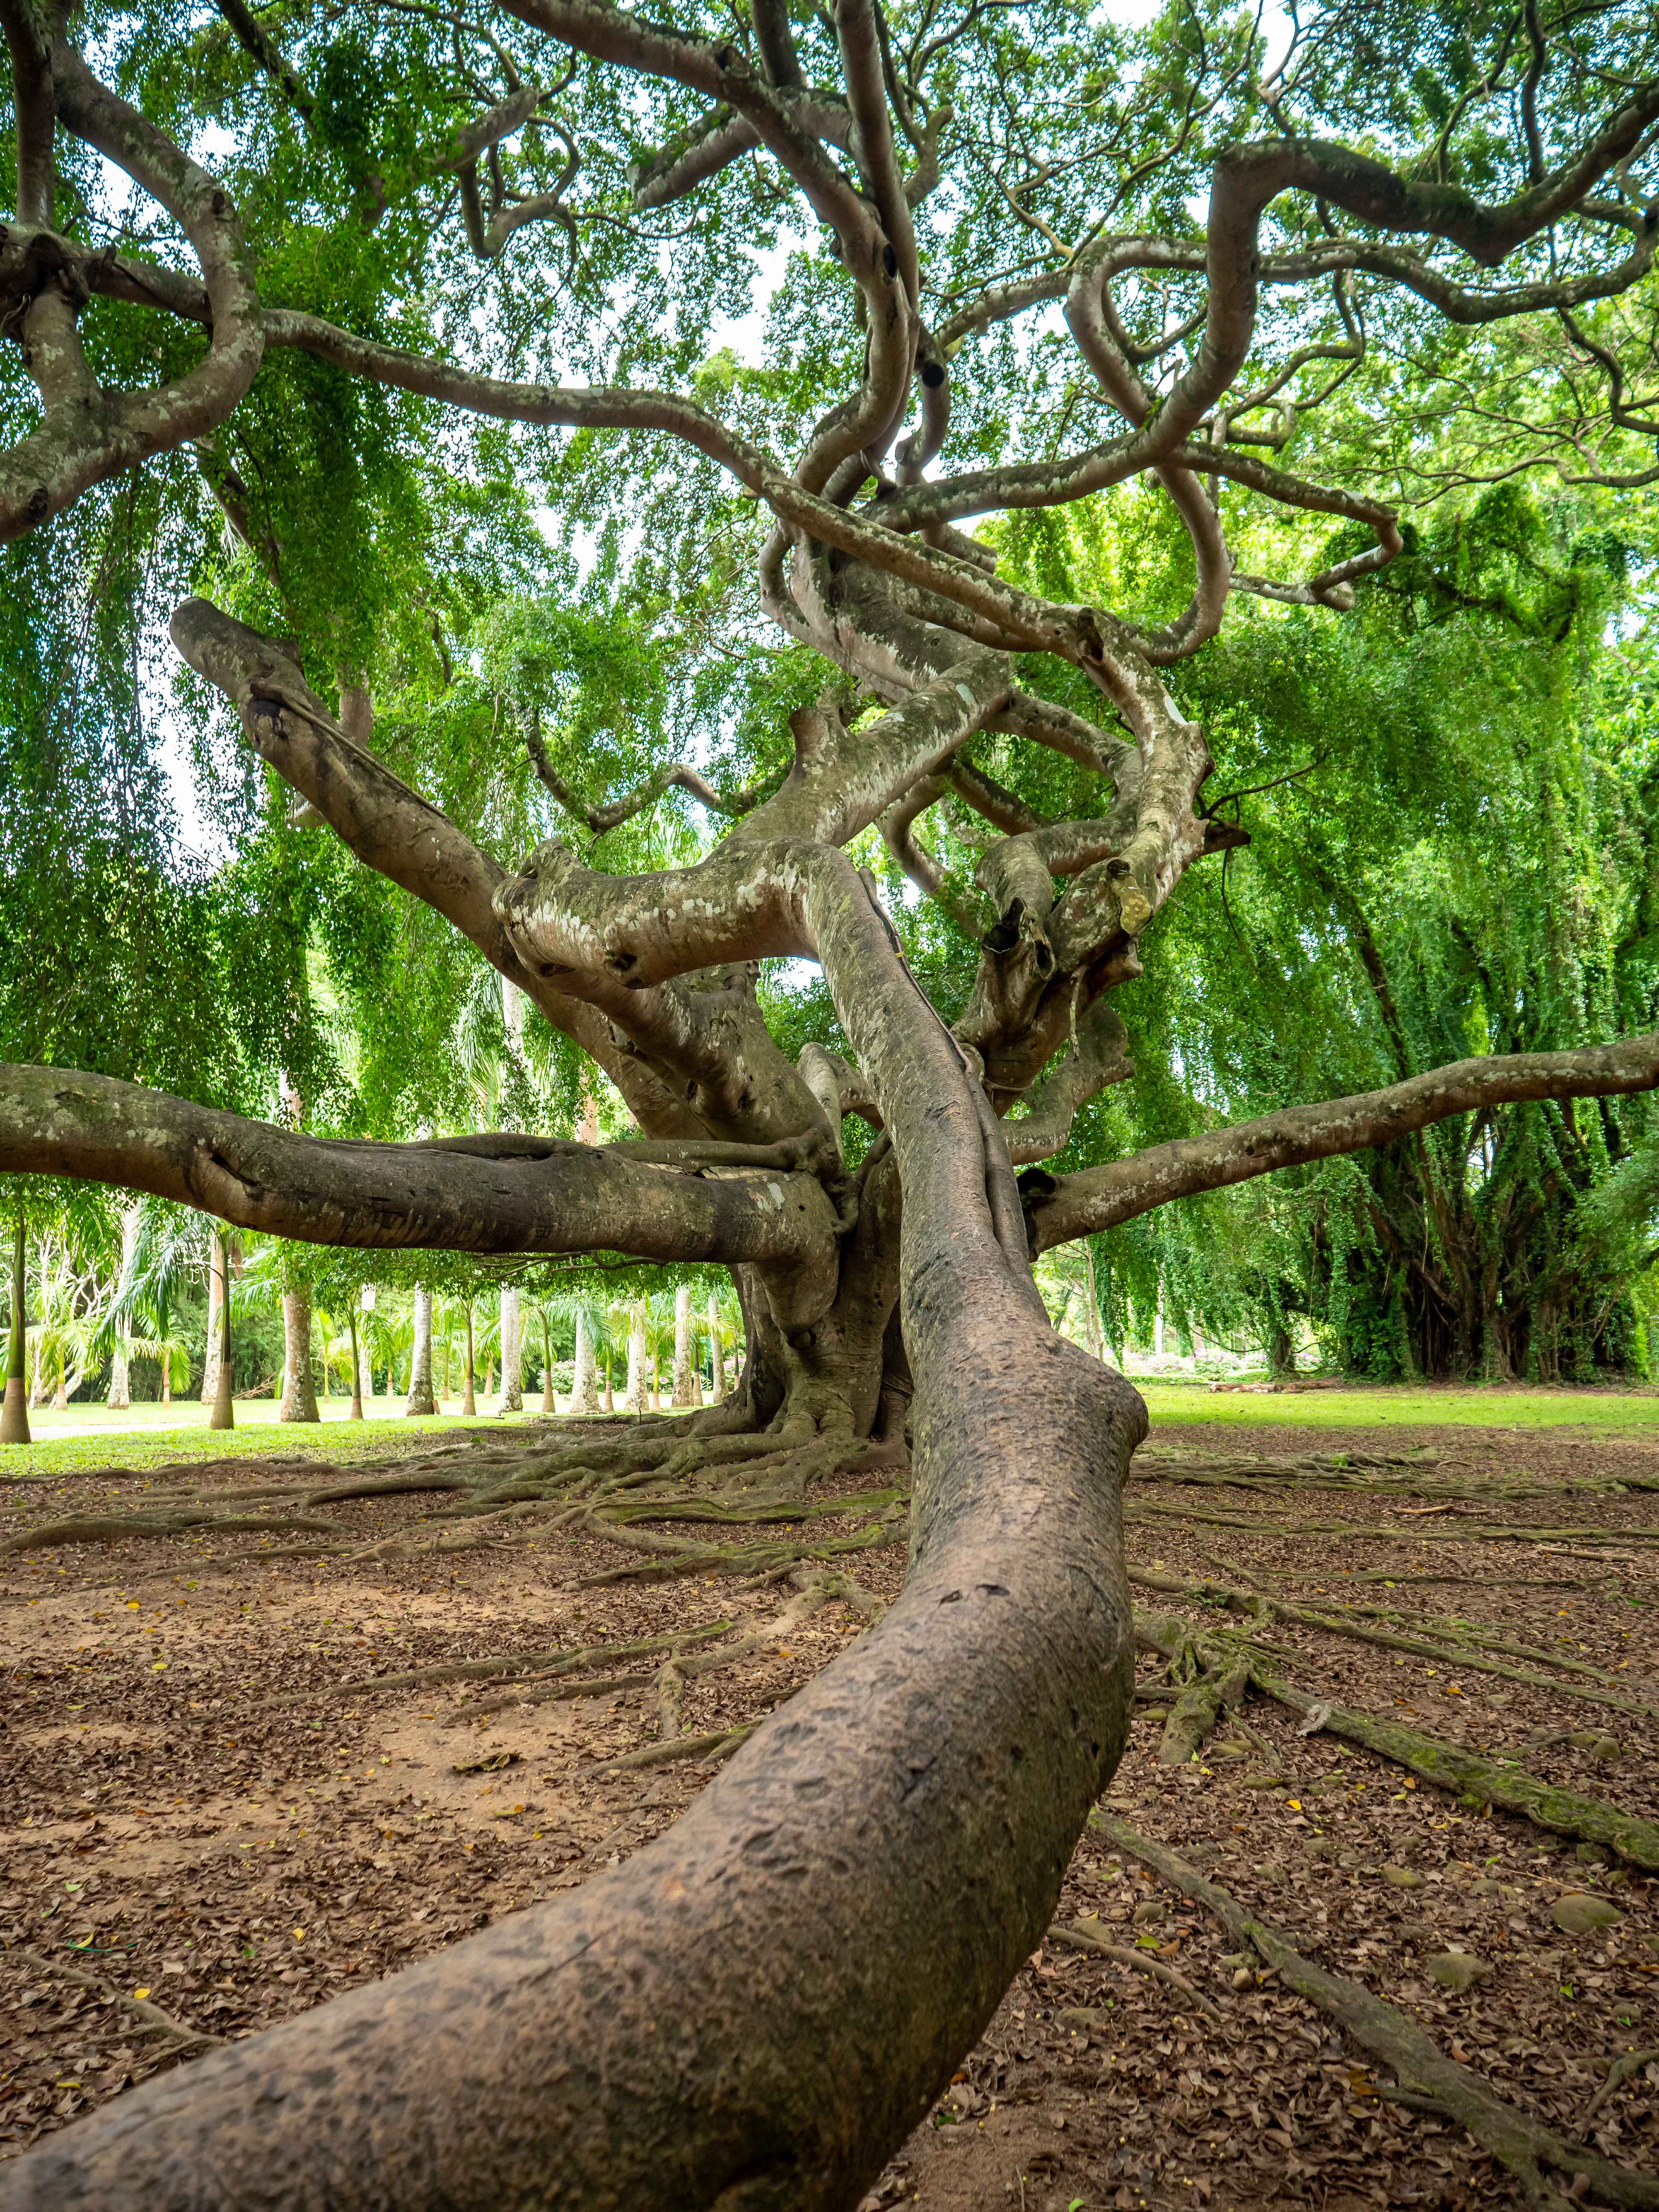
(1085,1939)
(163,2023)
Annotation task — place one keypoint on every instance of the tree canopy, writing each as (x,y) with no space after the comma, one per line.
(1127,402)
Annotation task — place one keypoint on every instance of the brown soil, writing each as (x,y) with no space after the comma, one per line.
(162,1832)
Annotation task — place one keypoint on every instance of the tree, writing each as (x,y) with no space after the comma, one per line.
(946,189)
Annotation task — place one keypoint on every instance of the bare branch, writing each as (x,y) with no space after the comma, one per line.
(1101,1198)
(566,1197)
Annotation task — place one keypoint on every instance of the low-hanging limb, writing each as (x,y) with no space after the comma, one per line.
(1521,2144)
(1101,1198)
(570,1197)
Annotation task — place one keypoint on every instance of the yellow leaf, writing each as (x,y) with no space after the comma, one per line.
(1295,1804)
(299,1935)
(141,1995)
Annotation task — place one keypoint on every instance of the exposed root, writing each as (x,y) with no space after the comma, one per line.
(1199,1709)
(156,2022)
(1335,1471)
(1455,1532)
(1480,1780)
(1618,2072)
(1265,1611)
(543,1661)
(106,1529)
(719,1745)
(1082,1937)
(1528,2149)
(687,1669)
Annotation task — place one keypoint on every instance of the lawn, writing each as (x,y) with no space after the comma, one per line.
(1384,1405)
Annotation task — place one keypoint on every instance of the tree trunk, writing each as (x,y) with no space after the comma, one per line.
(120,1378)
(299,1399)
(356,1413)
(420,1358)
(60,1394)
(549,1404)
(222,1415)
(610,1402)
(683,1344)
(216,1300)
(716,1359)
(14,1413)
(470,1403)
(1282,1351)
(585,1381)
(512,1398)
(639,1362)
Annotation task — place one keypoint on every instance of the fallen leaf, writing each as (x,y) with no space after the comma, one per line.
(140,1994)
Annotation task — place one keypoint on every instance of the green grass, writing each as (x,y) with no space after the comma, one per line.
(88,1437)
(1388,1406)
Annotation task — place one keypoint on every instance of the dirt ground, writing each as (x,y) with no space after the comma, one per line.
(217,1807)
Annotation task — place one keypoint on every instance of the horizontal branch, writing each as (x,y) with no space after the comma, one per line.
(433,1197)
(1103,1198)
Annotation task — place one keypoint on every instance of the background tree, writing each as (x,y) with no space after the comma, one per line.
(996,303)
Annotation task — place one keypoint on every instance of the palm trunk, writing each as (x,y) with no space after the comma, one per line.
(60,1395)
(120,1376)
(420,1358)
(216,1300)
(610,1402)
(585,1382)
(549,1405)
(299,1401)
(636,1400)
(683,1366)
(356,1413)
(14,1413)
(716,1356)
(223,1415)
(512,1398)
(470,1403)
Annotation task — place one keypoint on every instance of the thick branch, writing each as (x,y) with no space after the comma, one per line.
(1101,1198)
(572,1198)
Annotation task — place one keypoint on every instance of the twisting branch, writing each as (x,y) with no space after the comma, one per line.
(676,775)
(1101,1197)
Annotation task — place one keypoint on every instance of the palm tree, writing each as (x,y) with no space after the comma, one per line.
(169,1247)
(14,1415)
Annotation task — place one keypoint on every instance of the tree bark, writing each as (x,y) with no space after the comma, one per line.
(584,1379)
(420,1365)
(550,1402)
(470,1402)
(512,1398)
(299,1399)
